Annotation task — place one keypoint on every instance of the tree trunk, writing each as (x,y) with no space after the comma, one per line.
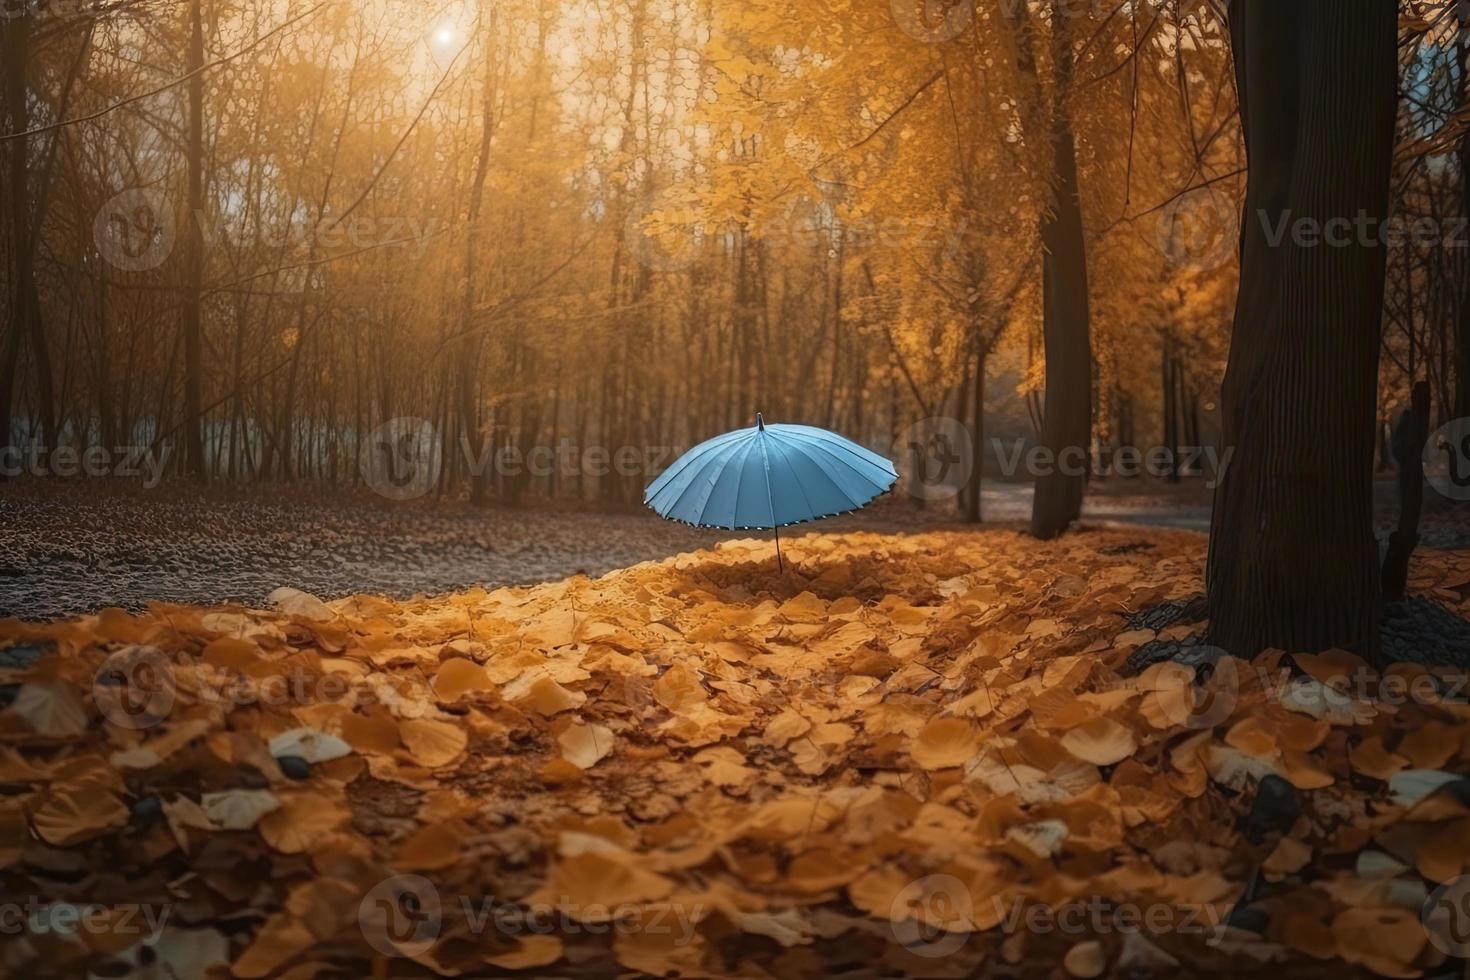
(1066,424)
(1171,409)
(1409,440)
(973,501)
(1462,325)
(469,353)
(25,298)
(1293,561)
(194,273)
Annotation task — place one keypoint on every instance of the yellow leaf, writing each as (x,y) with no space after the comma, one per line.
(432,743)
(1102,742)
(945,743)
(585,745)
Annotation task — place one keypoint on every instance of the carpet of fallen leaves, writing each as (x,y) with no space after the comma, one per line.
(701,767)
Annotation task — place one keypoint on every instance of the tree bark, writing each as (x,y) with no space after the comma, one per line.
(25,298)
(1462,325)
(1293,562)
(469,353)
(974,499)
(1170,408)
(1409,440)
(1066,425)
(192,325)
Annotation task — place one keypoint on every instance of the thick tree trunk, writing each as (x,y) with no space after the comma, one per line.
(1066,425)
(1462,326)
(1293,562)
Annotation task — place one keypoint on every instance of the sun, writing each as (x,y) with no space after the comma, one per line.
(445,35)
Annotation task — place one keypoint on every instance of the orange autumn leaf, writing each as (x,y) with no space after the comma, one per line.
(431,742)
(529,953)
(457,677)
(1386,941)
(280,939)
(1370,758)
(301,821)
(73,814)
(946,743)
(430,848)
(586,745)
(1102,742)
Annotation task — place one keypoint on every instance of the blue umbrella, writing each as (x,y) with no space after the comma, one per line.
(769,477)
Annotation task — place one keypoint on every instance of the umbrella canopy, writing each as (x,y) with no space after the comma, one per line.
(768,477)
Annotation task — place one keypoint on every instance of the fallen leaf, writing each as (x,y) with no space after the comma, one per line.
(433,743)
(1086,959)
(53,710)
(585,745)
(309,744)
(1102,742)
(945,743)
(73,814)
(239,809)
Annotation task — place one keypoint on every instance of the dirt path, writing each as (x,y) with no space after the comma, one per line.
(73,547)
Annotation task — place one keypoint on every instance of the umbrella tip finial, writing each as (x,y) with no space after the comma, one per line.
(760,422)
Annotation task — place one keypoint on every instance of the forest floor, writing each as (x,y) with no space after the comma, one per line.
(72,547)
(919,754)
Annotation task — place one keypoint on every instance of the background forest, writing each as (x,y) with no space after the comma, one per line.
(257,233)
